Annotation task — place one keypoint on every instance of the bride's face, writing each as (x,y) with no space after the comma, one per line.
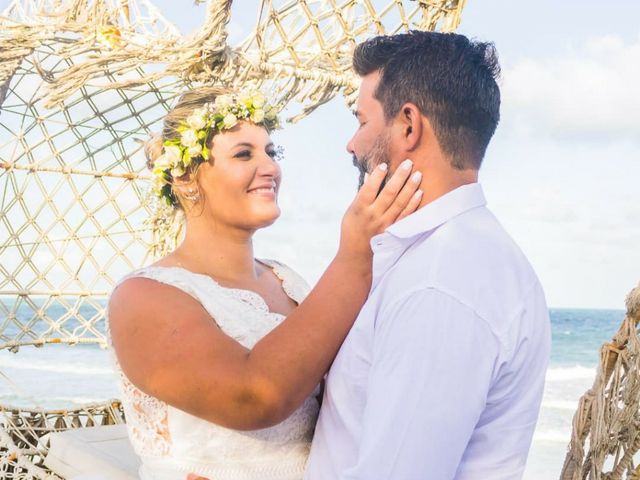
(241,181)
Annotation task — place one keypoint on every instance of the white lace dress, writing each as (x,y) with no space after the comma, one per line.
(173,443)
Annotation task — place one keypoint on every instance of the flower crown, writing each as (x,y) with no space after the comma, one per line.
(190,149)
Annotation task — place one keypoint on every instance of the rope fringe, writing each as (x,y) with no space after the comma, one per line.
(606,425)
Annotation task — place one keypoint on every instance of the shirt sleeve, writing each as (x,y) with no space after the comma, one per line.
(433,361)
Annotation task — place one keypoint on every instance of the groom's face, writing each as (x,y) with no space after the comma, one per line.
(370,145)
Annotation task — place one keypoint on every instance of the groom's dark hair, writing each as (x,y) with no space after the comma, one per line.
(451,79)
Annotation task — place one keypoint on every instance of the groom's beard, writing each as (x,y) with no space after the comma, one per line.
(377,154)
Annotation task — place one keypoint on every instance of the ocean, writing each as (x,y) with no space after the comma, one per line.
(59,376)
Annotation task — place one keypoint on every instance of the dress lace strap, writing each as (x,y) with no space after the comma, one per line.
(293,284)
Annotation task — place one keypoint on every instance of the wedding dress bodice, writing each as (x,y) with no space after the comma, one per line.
(172,443)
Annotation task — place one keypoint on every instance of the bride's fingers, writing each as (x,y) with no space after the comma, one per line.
(412,206)
(371,186)
(403,199)
(392,189)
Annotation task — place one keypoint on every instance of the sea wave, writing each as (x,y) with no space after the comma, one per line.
(76,400)
(552,436)
(50,402)
(560,405)
(577,372)
(21,364)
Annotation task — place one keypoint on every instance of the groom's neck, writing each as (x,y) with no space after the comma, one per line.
(439,177)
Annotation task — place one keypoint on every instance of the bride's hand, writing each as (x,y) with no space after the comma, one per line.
(371,213)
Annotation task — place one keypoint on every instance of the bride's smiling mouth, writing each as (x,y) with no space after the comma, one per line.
(266,189)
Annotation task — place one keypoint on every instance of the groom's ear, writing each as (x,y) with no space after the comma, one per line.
(410,125)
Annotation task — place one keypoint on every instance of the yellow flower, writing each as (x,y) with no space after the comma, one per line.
(245,99)
(258,99)
(109,36)
(158,179)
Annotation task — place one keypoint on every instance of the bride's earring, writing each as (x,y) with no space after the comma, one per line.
(192,194)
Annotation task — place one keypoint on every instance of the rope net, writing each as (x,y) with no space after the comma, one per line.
(606,426)
(83,83)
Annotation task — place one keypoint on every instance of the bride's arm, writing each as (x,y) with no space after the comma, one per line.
(168,346)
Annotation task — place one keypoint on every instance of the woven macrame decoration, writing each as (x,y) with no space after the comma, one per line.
(606,426)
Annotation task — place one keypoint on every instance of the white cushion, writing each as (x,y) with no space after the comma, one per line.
(100,453)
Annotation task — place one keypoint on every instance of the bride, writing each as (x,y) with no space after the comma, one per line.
(220,354)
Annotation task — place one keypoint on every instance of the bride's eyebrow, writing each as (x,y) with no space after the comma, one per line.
(251,145)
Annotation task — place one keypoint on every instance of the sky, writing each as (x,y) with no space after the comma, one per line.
(561,173)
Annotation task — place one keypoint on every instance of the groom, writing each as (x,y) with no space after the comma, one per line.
(442,375)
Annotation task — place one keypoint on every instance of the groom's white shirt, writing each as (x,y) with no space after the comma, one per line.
(442,374)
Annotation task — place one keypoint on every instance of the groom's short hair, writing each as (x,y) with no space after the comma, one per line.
(451,79)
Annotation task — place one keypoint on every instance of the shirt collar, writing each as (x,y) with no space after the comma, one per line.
(440,211)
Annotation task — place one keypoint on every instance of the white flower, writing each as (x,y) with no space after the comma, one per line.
(229,120)
(257,116)
(197,121)
(209,108)
(195,150)
(189,138)
(222,102)
(258,99)
(162,163)
(242,112)
(173,155)
(177,171)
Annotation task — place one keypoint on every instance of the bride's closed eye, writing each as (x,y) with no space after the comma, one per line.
(276,153)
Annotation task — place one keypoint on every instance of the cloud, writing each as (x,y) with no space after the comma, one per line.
(589,94)
(551,206)
(551,214)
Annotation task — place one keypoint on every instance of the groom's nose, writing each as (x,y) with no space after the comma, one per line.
(350,147)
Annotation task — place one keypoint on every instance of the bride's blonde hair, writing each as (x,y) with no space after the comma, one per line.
(167,222)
